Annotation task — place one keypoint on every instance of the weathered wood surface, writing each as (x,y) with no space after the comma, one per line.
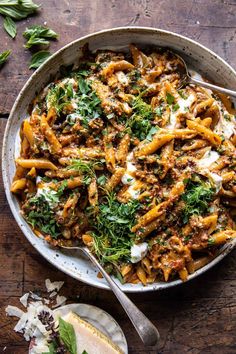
(197,317)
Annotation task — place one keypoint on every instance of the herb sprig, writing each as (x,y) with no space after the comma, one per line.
(197,196)
(112,236)
(38,35)
(140,121)
(18,9)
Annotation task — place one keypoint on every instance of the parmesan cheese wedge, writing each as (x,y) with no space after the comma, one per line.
(90,338)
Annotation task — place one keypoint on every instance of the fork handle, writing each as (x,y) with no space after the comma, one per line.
(146,330)
(212,87)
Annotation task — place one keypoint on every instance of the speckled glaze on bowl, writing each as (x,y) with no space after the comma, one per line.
(199,57)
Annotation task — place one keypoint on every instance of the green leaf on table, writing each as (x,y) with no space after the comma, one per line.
(67,335)
(38,35)
(4,56)
(9,26)
(38,59)
(84,352)
(17,9)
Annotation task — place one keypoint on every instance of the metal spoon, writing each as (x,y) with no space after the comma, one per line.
(186,78)
(146,330)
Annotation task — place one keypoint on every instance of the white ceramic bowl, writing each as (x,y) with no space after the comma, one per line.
(199,57)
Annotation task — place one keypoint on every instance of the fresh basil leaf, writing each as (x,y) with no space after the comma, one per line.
(38,59)
(84,352)
(39,31)
(9,26)
(169,98)
(36,35)
(36,41)
(17,9)
(67,335)
(4,56)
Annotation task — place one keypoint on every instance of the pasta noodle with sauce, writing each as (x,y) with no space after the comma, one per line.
(115,156)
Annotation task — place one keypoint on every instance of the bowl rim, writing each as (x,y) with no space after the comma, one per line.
(227,248)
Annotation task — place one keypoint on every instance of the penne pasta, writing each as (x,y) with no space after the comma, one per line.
(116,157)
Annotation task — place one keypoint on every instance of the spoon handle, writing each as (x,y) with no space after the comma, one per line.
(146,330)
(213,87)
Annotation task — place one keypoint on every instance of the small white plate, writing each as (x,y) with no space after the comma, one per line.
(99,319)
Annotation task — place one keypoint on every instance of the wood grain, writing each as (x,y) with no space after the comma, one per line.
(197,317)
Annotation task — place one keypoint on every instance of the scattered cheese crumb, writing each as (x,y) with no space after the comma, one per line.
(54,293)
(35,296)
(29,323)
(14,311)
(56,285)
(60,300)
(24,299)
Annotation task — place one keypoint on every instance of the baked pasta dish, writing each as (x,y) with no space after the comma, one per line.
(116,156)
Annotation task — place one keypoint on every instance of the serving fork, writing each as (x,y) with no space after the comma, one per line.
(144,327)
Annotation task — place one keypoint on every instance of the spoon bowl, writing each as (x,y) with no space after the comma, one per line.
(186,78)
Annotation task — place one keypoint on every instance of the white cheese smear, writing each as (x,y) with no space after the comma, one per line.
(138,252)
(184,104)
(128,179)
(208,158)
(226,127)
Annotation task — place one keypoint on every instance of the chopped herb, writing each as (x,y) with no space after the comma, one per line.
(18,9)
(9,26)
(187,238)
(182,94)
(169,98)
(151,132)
(175,107)
(159,111)
(110,116)
(112,236)
(197,196)
(129,179)
(83,86)
(102,180)
(39,214)
(38,59)
(59,96)
(4,56)
(211,241)
(140,121)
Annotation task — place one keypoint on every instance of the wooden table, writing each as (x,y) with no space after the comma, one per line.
(197,317)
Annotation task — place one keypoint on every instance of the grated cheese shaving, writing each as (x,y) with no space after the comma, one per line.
(51,286)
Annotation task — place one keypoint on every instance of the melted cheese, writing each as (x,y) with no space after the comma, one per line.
(208,158)
(216,180)
(183,105)
(138,252)
(128,179)
(226,127)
